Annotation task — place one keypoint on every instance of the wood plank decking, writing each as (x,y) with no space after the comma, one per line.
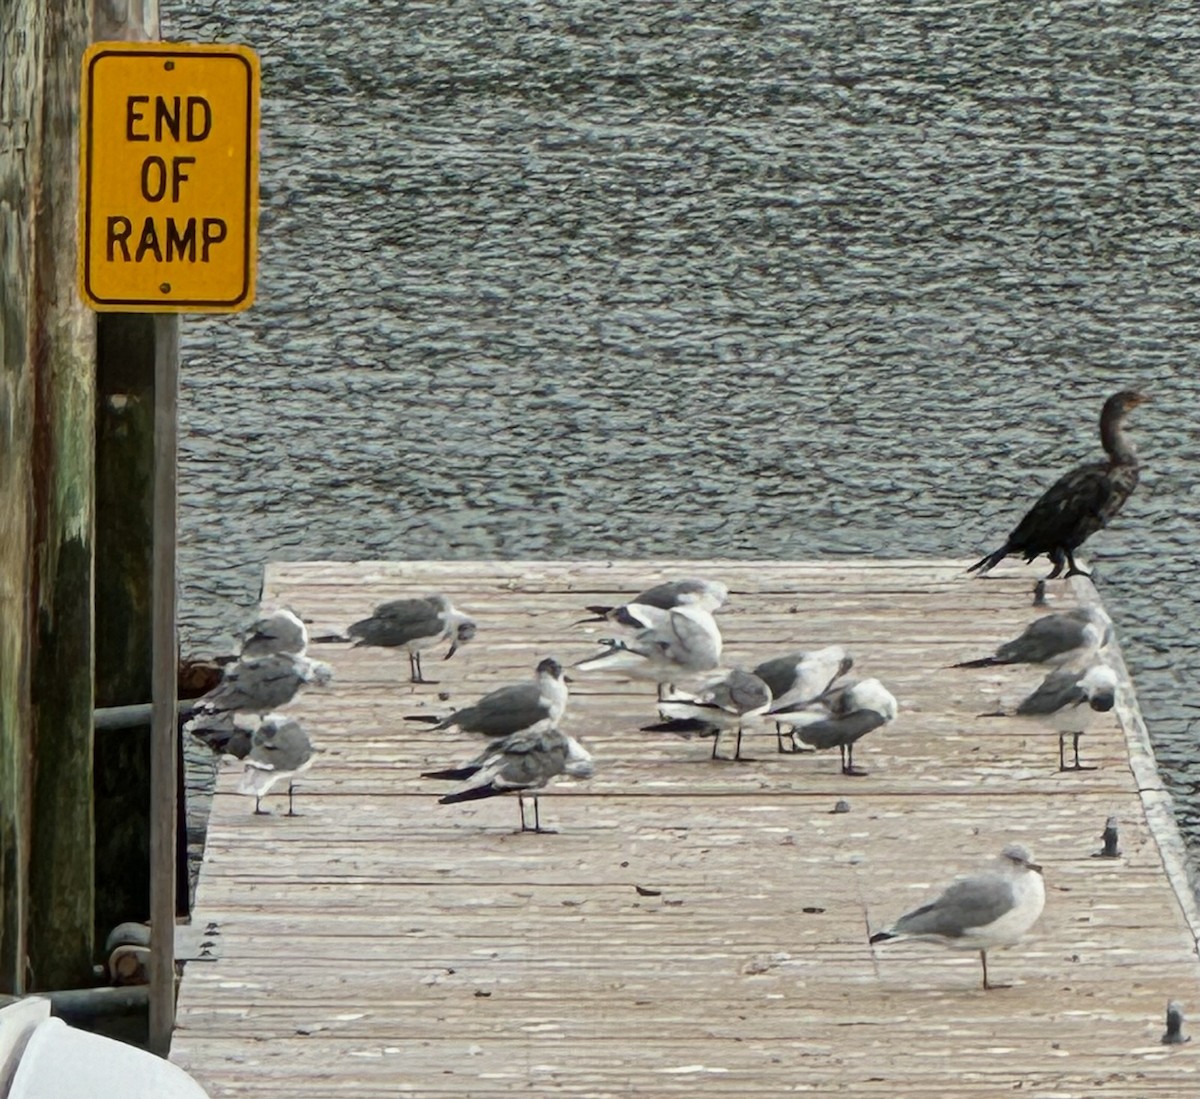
(383,945)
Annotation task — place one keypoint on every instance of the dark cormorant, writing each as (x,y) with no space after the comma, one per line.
(1080,502)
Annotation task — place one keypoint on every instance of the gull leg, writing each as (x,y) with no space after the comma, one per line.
(779,739)
(260,811)
(983,958)
(291,808)
(537,819)
(521,807)
(414,662)
(737,752)
(848,767)
(716,741)
(1062,762)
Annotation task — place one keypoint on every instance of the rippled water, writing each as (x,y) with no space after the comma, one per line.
(749,279)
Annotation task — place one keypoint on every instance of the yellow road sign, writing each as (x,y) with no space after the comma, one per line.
(168,177)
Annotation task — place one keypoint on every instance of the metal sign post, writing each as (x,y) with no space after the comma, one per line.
(168,223)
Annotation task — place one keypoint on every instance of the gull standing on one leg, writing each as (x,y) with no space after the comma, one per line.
(800,678)
(981,911)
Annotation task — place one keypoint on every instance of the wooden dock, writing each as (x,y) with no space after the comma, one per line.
(695,928)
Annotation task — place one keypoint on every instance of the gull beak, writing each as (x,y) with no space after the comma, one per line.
(1036,867)
(453,649)
(568,679)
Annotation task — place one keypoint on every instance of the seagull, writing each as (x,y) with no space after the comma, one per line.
(841,717)
(521,763)
(278,632)
(1059,702)
(413,625)
(1052,639)
(724,703)
(639,612)
(993,908)
(280,749)
(687,642)
(800,678)
(257,685)
(534,705)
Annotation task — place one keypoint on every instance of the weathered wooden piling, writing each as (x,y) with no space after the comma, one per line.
(48,351)
(694,927)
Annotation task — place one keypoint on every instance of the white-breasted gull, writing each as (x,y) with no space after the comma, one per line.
(982,911)
(686,643)
(279,749)
(1066,701)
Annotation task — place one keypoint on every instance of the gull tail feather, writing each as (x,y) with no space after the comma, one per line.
(473,793)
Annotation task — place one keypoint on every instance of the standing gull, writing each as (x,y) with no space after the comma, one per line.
(1080,502)
(982,911)
(729,702)
(800,678)
(522,763)
(413,625)
(686,643)
(533,705)
(1052,639)
(280,749)
(1066,701)
(639,612)
(842,717)
(278,632)
(257,685)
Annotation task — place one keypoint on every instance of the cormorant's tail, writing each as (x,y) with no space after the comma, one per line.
(986,564)
(473,793)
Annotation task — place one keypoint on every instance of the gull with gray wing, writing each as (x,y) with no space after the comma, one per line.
(646,610)
(686,643)
(533,705)
(802,677)
(982,911)
(280,631)
(519,764)
(257,685)
(729,702)
(280,749)
(1053,639)
(1066,701)
(415,625)
(840,718)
